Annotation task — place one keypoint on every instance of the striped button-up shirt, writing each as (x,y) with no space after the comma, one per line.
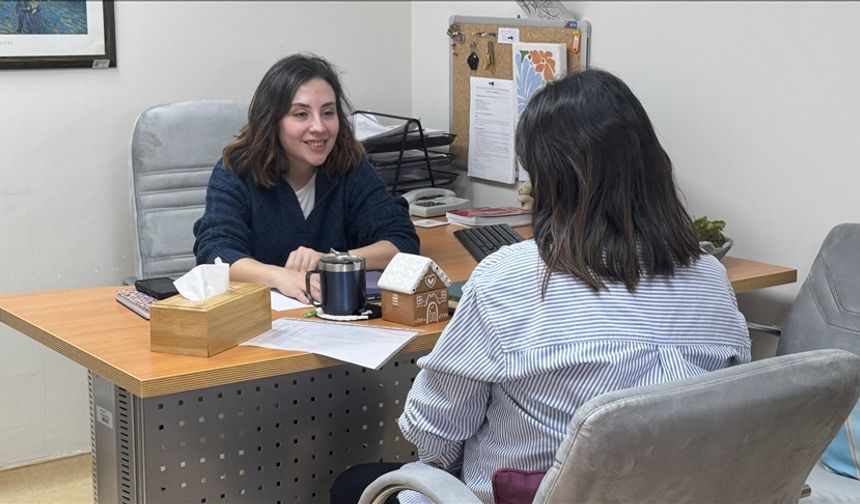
(510,369)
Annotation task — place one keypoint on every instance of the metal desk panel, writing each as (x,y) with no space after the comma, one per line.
(282,439)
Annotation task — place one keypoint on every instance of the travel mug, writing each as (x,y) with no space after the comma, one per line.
(343,289)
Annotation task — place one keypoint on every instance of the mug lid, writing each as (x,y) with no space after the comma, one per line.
(342,262)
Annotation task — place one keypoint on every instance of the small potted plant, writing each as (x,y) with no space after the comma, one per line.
(711,237)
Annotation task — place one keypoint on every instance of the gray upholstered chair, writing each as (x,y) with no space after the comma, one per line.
(173,150)
(749,433)
(826,314)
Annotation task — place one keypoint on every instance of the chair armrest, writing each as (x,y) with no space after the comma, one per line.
(434,483)
(765,328)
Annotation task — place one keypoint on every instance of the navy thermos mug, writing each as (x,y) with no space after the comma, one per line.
(342,285)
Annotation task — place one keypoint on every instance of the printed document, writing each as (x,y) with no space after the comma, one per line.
(491,129)
(364,345)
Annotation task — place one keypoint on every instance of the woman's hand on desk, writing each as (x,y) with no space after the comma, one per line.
(291,282)
(304,259)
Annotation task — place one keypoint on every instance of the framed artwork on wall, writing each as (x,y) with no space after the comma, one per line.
(57,34)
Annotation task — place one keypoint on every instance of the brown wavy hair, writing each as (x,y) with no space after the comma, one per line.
(605,203)
(256,151)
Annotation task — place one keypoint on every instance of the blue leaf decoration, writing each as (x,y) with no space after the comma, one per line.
(529,80)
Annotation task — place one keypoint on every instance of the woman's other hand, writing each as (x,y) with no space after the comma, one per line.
(303,259)
(292,283)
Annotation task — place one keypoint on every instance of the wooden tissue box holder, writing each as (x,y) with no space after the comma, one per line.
(205,328)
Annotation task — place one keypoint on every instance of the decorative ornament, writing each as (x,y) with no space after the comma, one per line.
(490,55)
(524,195)
(472,60)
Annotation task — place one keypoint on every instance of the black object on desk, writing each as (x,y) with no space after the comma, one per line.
(482,241)
(159,288)
(403,159)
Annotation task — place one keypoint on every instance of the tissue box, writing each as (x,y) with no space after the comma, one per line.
(205,328)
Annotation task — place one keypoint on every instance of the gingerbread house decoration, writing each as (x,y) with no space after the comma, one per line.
(414,290)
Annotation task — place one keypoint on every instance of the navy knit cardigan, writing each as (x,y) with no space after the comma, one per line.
(246,220)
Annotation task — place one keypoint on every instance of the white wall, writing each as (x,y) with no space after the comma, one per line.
(64,135)
(755,102)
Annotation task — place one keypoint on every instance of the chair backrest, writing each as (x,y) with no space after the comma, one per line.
(826,312)
(749,433)
(173,150)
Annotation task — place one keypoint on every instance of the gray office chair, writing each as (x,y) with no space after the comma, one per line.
(173,150)
(826,314)
(749,433)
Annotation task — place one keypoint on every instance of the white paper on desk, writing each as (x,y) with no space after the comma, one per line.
(491,129)
(281,302)
(367,127)
(364,345)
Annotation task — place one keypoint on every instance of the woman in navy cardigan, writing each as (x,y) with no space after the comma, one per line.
(294,186)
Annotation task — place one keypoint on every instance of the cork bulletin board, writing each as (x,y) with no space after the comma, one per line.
(472,34)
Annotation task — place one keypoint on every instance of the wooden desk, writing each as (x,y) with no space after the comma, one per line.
(92,329)
(249,424)
(745,275)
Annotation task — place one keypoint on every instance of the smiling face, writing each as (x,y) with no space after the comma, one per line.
(309,129)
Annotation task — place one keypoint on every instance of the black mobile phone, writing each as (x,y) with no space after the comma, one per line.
(159,288)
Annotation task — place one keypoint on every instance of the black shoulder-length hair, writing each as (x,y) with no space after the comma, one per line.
(256,150)
(605,203)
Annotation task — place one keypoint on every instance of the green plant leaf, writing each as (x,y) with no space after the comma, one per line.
(710,230)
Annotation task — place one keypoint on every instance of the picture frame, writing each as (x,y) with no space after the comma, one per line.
(57,34)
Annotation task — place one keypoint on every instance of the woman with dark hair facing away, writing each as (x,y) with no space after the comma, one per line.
(612,292)
(294,186)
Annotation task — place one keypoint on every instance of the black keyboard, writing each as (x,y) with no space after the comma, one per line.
(482,241)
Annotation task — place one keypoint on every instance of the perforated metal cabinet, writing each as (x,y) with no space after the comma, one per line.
(276,440)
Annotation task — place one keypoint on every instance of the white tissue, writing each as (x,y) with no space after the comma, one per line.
(204,281)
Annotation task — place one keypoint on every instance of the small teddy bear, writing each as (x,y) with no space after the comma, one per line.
(524,195)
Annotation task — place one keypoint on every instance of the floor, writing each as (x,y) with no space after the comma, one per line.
(62,481)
